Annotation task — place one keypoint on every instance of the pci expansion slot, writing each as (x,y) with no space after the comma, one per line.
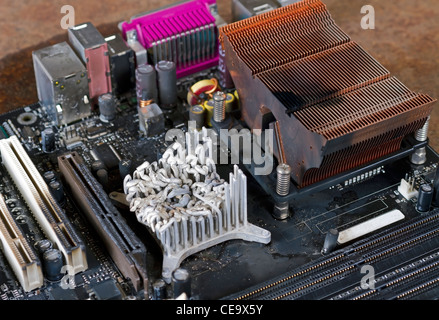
(45,209)
(126,250)
(18,252)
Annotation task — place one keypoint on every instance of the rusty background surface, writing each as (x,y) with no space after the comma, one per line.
(405,39)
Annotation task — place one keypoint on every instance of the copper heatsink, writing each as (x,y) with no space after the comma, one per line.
(336,106)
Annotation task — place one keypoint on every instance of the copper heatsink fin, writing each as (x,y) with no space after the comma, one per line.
(338,107)
(359,154)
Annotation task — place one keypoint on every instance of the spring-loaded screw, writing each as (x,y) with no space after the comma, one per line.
(419,157)
(219,106)
(283,179)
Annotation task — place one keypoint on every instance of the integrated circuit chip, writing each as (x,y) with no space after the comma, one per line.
(107,154)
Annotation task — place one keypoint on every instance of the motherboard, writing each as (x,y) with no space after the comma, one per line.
(271,158)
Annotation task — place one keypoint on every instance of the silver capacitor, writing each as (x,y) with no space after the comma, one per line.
(167,83)
(48,140)
(197,114)
(107,107)
(43,245)
(146,83)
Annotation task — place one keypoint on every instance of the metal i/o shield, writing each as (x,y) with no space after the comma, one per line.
(62,86)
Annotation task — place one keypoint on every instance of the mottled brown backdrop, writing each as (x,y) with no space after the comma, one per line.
(405,39)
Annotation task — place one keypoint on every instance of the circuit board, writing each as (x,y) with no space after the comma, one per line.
(374,208)
(233,266)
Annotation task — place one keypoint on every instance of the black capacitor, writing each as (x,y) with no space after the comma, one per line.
(43,245)
(425,198)
(53,263)
(57,191)
(107,107)
(159,290)
(97,165)
(49,176)
(146,83)
(48,140)
(167,83)
(125,167)
(102,176)
(181,282)
(330,241)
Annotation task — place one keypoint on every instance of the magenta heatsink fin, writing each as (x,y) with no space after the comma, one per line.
(185,34)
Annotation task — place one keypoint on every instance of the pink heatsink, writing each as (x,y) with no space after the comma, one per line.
(185,33)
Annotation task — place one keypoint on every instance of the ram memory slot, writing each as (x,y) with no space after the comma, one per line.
(21,257)
(43,206)
(126,250)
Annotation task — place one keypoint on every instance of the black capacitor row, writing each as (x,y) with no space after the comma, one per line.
(428,195)
(52,260)
(181,284)
(157,83)
(55,186)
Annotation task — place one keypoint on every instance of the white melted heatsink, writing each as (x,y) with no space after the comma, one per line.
(183,200)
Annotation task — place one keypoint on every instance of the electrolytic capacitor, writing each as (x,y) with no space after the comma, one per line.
(48,140)
(167,83)
(102,176)
(57,191)
(425,198)
(49,176)
(107,107)
(197,114)
(52,264)
(330,241)
(146,83)
(97,165)
(181,282)
(43,245)
(159,290)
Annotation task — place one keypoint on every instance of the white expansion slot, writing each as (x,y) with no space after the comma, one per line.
(21,258)
(45,209)
(369,226)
